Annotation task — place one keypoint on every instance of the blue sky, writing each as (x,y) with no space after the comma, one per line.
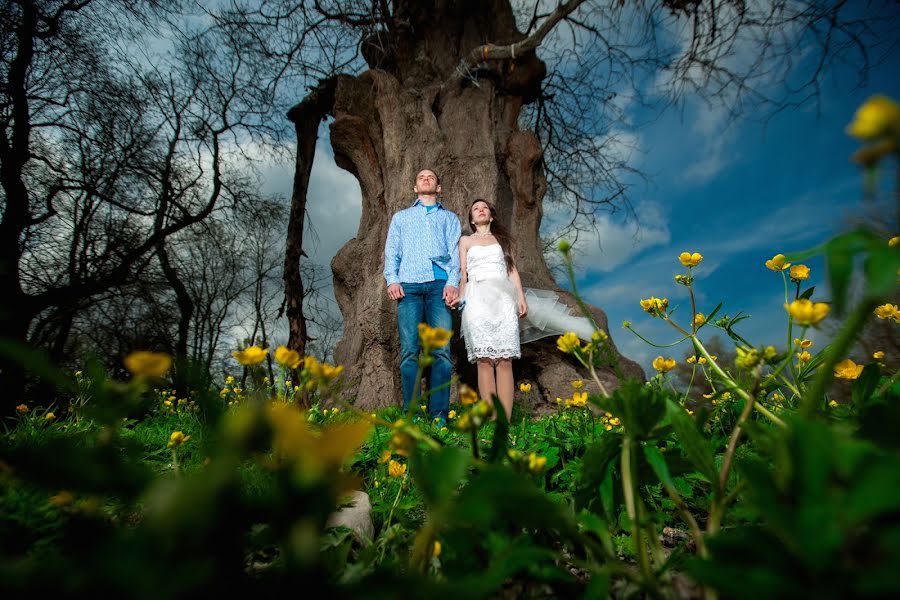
(738,193)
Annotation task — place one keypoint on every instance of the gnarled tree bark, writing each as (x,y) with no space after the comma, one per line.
(426,103)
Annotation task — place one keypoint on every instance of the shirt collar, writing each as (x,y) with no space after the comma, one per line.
(419,202)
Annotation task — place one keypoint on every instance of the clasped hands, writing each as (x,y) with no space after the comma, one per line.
(451,294)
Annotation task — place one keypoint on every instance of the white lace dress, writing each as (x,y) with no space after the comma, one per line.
(490,317)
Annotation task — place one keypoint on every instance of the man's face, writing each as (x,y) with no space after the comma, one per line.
(427,182)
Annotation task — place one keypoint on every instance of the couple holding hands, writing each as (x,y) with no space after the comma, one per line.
(430,269)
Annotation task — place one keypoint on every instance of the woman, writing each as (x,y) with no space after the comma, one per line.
(494,301)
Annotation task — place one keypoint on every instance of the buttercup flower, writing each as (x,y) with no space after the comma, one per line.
(467,395)
(803,343)
(536,463)
(663,365)
(799,273)
(877,117)
(436,549)
(599,336)
(176,439)
(287,357)
(385,456)
(568,342)
(847,369)
(577,384)
(229,380)
(578,399)
(699,319)
(252,355)
(894,241)
(524,387)
(433,337)
(63,498)
(655,306)
(878,355)
(778,263)
(50,416)
(806,312)
(804,357)
(148,364)
(690,260)
(21,409)
(888,311)
(451,414)
(746,359)
(395,469)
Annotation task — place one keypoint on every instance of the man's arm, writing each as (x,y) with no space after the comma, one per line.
(453,232)
(392,253)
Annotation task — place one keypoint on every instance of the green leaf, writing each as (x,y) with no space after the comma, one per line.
(437,474)
(501,432)
(658,464)
(696,447)
(808,292)
(865,385)
(881,271)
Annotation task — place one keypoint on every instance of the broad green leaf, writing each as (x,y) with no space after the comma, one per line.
(658,463)
(881,271)
(808,292)
(865,385)
(437,474)
(696,447)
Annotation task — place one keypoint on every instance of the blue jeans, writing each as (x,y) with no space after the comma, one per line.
(424,303)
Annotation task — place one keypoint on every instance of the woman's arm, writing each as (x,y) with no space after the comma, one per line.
(463,273)
(514,277)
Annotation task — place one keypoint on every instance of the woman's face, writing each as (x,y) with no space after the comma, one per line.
(481,213)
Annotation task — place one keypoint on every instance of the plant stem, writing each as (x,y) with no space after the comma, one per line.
(628,489)
(887,384)
(732,445)
(733,386)
(394,505)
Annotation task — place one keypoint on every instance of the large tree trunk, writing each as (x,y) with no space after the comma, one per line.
(411,111)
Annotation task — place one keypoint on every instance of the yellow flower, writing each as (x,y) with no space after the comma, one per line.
(746,359)
(599,336)
(894,241)
(699,319)
(252,355)
(176,439)
(804,357)
(806,312)
(803,343)
(577,384)
(436,549)
(148,364)
(467,395)
(63,498)
(451,414)
(878,355)
(568,342)
(663,365)
(777,263)
(833,403)
(655,306)
(847,369)
(287,357)
(433,337)
(385,456)
(536,463)
(329,372)
(799,273)
(888,311)
(395,469)
(578,399)
(21,409)
(690,260)
(877,117)
(50,416)
(524,387)
(229,380)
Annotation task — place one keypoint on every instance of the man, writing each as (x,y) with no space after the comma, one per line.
(421,267)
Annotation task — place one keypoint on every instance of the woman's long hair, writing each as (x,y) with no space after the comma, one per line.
(500,232)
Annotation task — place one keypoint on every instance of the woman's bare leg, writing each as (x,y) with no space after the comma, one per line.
(487,386)
(505,385)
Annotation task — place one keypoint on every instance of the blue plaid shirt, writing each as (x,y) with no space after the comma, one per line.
(417,239)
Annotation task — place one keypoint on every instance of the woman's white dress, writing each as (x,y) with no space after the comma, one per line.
(490,318)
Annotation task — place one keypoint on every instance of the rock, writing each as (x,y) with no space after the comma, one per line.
(356,515)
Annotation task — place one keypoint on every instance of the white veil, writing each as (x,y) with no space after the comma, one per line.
(548,316)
